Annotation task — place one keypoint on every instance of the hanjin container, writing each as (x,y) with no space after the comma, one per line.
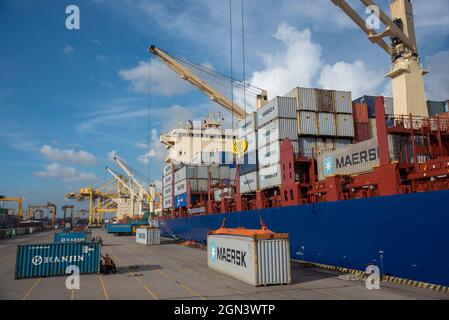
(64,237)
(257,257)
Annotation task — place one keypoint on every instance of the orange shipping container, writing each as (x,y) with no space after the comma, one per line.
(360,112)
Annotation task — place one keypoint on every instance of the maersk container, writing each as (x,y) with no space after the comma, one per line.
(65,237)
(357,158)
(202,172)
(271,154)
(180,201)
(52,259)
(307,123)
(307,146)
(168,191)
(305,98)
(148,236)
(278,129)
(248,158)
(270,177)
(326,124)
(247,125)
(343,102)
(249,182)
(170,168)
(251,140)
(258,260)
(279,107)
(201,185)
(181,187)
(345,125)
(342,143)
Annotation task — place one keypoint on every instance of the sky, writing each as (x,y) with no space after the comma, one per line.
(71,99)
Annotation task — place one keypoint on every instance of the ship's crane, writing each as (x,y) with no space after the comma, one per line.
(191,72)
(406,73)
(19,202)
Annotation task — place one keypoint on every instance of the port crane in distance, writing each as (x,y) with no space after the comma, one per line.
(19,202)
(50,206)
(179,66)
(406,73)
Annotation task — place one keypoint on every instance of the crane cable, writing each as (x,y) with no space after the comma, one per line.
(232,68)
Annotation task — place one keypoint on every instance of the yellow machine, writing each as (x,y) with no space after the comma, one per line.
(19,205)
(406,73)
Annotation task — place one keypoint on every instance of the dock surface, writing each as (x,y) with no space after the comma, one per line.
(172,271)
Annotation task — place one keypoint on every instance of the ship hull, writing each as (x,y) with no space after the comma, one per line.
(411,231)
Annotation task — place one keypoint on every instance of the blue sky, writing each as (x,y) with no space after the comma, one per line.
(68,98)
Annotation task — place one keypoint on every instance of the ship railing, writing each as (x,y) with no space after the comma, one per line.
(440,122)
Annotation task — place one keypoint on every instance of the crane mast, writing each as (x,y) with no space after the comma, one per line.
(211,92)
(406,73)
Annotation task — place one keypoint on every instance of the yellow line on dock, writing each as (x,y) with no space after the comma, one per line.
(31,289)
(105,291)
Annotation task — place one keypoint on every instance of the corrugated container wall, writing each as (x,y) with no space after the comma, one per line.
(307,123)
(370,101)
(148,236)
(247,125)
(271,154)
(360,113)
(276,130)
(345,125)
(326,124)
(325,100)
(167,203)
(279,107)
(305,98)
(343,102)
(52,259)
(65,237)
(436,107)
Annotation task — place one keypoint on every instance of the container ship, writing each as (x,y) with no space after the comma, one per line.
(354,182)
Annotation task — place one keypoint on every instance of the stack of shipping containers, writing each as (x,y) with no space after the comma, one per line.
(249,180)
(276,121)
(167,186)
(361,122)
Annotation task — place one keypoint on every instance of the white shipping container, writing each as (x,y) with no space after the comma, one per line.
(345,125)
(214,172)
(168,191)
(168,180)
(148,236)
(249,183)
(170,168)
(167,203)
(201,185)
(271,154)
(225,173)
(270,177)
(257,262)
(357,158)
(181,187)
(279,107)
(184,173)
(326,124)
(343,102)
(305,98)
(307,123)
(203,172)
(247,125)
(307,146)
(278,129)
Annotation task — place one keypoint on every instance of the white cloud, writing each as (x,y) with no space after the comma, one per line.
(56,171)
(96,41)
(68,155)
(158,184)
(355,77)
(432,14)
(295,64)
(437,82)
(100,57)
(157,150)
(164,81)
(69,50)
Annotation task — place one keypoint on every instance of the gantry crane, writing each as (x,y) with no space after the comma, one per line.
(50,206)
(72,215)
(406,73)
(19,202)
(185,69)
(136,189)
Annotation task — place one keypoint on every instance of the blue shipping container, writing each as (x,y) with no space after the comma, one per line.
(371,102)
(180,201)
(47,260)
(119,228)
(70,237)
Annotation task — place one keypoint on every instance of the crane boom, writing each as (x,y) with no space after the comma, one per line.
(210,91)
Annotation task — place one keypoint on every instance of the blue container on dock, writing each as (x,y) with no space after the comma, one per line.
(52,259)
(65,237)
(119,228)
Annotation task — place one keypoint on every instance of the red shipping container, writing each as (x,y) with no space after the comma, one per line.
(360,111)
(361,132)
